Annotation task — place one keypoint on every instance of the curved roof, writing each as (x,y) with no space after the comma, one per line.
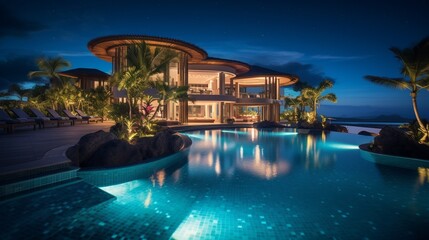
(256,76)
(239,67)
(103,47)
(84,72)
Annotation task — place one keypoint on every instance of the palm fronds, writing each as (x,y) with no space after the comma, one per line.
(389,82)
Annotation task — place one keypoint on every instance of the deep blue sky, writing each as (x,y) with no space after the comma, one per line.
(342,40)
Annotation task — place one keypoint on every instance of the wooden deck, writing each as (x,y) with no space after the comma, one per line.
(25,148)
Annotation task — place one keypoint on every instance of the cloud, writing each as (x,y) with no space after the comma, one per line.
(272,57)
(337,58)
(15,70)
(13,26)
(69,53)
(242,51)
(307,73)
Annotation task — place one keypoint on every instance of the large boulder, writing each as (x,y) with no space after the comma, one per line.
(167,142)
(336,128)
(101,149)
(394,141)
(366,133)
(306,125)
(87,146)
(144,145)
(267,124)
(114,153)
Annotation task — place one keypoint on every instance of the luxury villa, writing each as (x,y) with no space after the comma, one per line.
(218,88)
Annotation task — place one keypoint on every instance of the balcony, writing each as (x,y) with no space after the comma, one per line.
(254,98)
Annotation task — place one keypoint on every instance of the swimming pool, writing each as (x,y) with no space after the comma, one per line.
(261,184)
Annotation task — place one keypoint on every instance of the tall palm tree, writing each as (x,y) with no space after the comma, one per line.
(415,71)
(132,82)
(49,67)
(149,60)
(298,106)
(314,95)
(167,93)
(143,63)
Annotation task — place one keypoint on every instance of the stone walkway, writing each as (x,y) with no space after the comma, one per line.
(26,148)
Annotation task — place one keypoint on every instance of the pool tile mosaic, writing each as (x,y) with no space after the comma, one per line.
(242,186)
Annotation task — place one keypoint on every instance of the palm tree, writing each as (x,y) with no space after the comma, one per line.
(415,71)
(167,93)
(49,67)
(149,61)
(298,106)
(133,84)
(314,95)
(17,90)
(143,63)
(100,100)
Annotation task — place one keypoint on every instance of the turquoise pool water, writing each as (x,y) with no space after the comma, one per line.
(261,184)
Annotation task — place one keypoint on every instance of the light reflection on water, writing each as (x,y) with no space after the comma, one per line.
(262,153)
(249,181)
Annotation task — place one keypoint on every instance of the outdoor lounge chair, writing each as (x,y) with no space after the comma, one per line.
(59,120)
(12,123)
(41,121)
(74,117)
(90,118)
(56,115)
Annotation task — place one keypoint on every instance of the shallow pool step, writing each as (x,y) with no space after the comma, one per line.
(17,183)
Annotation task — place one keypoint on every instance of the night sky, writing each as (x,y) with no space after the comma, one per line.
(341,40)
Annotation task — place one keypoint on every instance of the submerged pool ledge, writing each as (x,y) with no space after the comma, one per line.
(112,176)
(391,160)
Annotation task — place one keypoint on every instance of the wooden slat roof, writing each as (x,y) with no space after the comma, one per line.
(84,72)
(103,47)
(257,74)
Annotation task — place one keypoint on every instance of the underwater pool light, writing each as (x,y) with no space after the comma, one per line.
(197,136)
(235,132)
(342,146)
(284,133)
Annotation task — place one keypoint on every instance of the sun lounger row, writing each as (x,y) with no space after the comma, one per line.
(23,119)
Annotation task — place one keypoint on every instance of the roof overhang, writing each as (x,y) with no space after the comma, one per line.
(284,80)
(104,47)
(239,67)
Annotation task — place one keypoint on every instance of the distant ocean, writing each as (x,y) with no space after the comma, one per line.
(374,127)
(369,124)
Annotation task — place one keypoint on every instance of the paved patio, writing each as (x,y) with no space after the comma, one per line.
(26,148)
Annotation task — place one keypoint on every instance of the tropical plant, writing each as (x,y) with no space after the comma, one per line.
(132,82)
(118,111)
(415,71)
(100,101)
(289,116)
(17,90)
(49,67)
(143,63)
(413,129)
(167,93)
(149,61)
(297,105)
(124,129)
(314,96)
